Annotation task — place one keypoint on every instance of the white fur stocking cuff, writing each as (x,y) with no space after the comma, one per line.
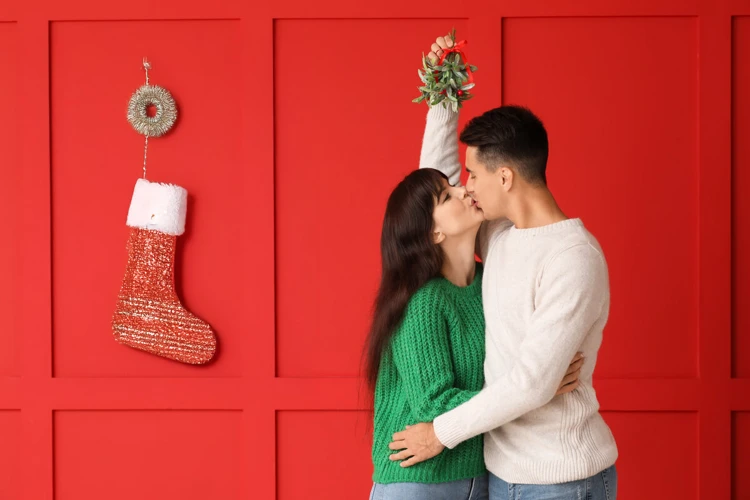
(161,207)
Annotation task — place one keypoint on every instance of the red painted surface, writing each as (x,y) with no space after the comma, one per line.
(295,123)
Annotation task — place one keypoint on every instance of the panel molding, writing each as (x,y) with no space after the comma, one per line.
(713,396)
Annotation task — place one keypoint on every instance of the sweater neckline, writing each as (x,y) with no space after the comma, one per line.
(548,228)
(472,288)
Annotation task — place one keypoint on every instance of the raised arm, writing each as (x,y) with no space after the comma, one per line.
(440,139)
(440,151)
(440,143)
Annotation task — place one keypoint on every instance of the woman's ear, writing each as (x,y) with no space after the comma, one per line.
(438,237)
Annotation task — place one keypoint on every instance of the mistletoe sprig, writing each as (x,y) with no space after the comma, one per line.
(447,81)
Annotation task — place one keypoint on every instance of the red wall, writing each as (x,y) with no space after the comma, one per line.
(295,123)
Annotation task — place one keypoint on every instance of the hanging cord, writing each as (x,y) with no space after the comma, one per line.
(145,150)
(146,67)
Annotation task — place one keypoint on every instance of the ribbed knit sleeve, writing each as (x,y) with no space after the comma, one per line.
(422,356)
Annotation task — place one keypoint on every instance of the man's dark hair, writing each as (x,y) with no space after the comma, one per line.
(510,134)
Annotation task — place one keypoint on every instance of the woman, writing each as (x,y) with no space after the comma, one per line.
(425,351)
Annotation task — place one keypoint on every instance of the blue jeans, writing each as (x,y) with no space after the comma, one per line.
(602,486)
(465,489)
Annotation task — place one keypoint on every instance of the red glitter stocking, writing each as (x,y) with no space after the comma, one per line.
(149,315)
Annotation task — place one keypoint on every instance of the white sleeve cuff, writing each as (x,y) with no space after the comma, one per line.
(448,431)
(157,206)
(442,114)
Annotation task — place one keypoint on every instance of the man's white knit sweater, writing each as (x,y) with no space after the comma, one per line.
(546,296)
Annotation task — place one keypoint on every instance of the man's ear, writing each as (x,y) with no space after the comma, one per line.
(506,177)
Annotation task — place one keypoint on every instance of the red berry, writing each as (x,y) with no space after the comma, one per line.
(460,92)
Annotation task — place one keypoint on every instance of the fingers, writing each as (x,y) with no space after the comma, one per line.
(399,436)
(572,377)
(437,48)
(397,445)
(411,461)
(402,455)
(436,52)
(576,363)
(444,41)
(561,391)
(568,388)
(575,367)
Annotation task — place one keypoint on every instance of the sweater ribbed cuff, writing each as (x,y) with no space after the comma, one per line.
(448,430)
(442,114)
(160,207)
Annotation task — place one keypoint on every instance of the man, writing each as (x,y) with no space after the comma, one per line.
(546,296)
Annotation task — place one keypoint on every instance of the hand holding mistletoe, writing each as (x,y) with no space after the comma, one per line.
(447,76)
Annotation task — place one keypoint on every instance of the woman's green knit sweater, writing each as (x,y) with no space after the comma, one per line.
(435,362)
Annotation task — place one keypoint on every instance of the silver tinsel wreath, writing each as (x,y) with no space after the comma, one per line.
(166,111)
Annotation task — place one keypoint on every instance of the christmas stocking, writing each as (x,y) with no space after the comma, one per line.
(149,315)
